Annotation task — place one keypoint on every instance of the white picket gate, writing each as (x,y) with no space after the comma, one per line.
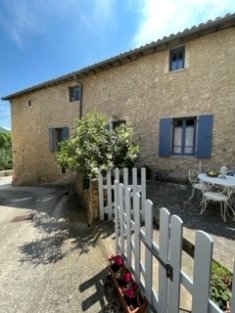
(107,188)
(131,238)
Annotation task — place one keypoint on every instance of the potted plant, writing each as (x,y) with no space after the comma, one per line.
(131,296)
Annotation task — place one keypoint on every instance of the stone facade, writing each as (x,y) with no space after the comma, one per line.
(142,92)
(90,197)
(48,108)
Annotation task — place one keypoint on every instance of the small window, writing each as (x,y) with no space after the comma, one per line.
(177,57)
(56,135)
(116,124)
(184,136)
(74,93)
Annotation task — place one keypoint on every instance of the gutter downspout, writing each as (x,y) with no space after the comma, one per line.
(81,96)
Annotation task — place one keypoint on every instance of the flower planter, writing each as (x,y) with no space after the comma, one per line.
(134,305)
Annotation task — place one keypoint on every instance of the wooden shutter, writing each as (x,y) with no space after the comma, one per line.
(165,137)
(204,137)
(52,139)
(65,133)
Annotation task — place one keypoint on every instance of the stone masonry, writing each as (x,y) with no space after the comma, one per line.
(50,107)
(142,92)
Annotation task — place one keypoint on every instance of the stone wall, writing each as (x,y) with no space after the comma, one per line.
(144,91)
(141,92)
(49,107)
(90,197)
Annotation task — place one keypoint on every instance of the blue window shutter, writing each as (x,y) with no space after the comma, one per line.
(65,133)
(204,138)
(52,139)
(165,137)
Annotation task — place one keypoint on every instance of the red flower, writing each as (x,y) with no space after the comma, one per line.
(127,277)
(130,293)
(118,260)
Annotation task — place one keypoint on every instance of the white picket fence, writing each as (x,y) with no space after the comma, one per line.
(107,187)
(131,238)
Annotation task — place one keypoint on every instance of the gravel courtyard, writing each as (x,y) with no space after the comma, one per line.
(50,262)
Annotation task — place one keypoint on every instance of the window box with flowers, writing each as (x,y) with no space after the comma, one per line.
(131,296)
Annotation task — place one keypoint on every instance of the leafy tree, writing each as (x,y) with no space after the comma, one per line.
(5,151)
(94,146)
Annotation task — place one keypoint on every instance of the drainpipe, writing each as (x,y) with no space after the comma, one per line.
(81,95)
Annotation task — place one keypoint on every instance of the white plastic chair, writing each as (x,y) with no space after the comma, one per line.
(194,181)
(223,197)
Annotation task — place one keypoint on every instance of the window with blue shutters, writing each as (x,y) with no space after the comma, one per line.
(56,135)
(165,137)
(190,136)
(204,137)
(183,136)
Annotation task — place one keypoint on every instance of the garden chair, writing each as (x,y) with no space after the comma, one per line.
(223,197)
(194,181)
(231,172)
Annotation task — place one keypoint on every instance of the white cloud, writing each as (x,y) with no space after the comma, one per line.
(103,11)
(18,21)
(25,18)
(160,18)
(99,17)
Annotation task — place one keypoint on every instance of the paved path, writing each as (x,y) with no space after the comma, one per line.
(175,198)
(54,263)
(50,264)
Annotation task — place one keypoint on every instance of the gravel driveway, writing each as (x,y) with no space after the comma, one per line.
(51,262)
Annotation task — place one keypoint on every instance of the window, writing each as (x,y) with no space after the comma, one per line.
(177,57)
(186,136)
(74,93)
(56,135)
(116,124)
(183,136)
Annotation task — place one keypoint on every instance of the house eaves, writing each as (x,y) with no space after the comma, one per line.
(162,44)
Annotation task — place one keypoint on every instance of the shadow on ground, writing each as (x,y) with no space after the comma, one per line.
(65,220)
(175,197)
(108,299)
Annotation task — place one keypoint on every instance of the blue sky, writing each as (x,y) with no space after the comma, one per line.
(43,39)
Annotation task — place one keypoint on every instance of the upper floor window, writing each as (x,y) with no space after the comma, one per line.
(74,93)
(177,59)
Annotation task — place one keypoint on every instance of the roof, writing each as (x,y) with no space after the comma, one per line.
(159,45)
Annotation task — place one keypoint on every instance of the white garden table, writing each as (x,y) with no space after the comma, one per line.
(228,182)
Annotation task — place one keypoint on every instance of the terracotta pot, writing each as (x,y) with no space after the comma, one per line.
(139,305)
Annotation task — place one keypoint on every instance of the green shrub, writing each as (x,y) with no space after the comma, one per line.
(221,285)
(94,146)
(5,151)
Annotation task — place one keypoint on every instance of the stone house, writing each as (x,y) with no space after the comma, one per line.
(178,94)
